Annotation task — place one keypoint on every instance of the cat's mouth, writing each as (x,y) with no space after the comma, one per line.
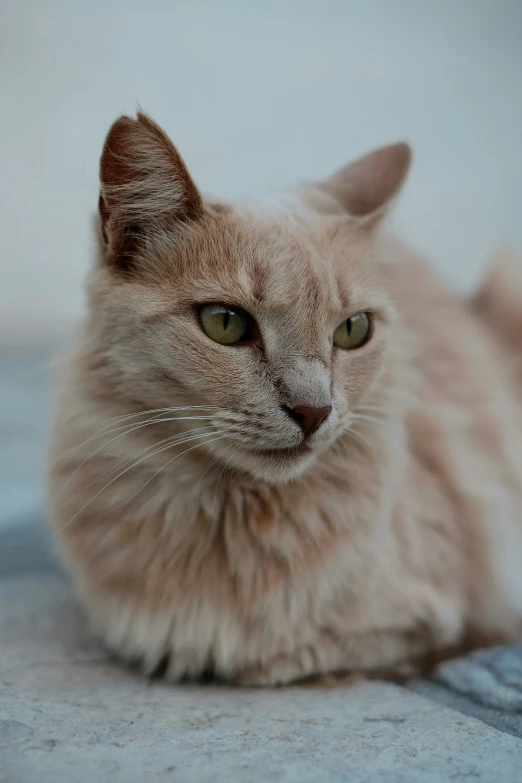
(282,454)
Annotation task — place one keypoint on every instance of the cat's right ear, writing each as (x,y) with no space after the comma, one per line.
(144,187)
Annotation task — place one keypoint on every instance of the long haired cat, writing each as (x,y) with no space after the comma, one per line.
(282,446)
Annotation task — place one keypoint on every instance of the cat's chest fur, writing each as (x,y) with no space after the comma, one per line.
(258,585)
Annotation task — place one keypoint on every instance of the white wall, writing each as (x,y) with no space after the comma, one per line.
(256,94)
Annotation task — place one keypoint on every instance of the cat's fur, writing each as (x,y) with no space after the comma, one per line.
(395,539)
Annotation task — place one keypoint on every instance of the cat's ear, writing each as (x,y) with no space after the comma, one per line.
(144,186)
(367,187)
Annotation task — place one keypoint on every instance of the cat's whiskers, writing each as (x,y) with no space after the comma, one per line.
(371,408)
(171,409)
(131,467)
(337,448)
(355,417)
(222,471)
(163,467)
(365,418)
(105,431)
(213,462)
(361,438)
(174,440)
(129,428)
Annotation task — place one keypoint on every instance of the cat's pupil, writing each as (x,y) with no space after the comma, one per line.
(349,325)
(226,318)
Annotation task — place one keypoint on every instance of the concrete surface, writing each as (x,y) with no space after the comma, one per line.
(24,420)
(256,95)
(69,714)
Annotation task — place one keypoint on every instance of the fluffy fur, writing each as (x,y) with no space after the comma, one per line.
(393,538)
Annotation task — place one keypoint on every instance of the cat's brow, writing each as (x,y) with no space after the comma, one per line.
(258,282)
(351,296)
(315,294)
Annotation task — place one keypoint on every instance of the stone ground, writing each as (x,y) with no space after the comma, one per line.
(68,714)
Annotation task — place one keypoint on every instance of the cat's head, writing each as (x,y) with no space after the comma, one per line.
(272,322)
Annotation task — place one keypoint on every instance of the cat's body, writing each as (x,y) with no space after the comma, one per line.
(393,535)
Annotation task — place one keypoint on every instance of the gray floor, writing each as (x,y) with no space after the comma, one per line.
(24,420)
(69,713)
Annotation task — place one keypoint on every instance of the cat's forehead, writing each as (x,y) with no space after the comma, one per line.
(278,258)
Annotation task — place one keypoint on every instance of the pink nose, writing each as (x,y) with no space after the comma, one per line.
(308,417)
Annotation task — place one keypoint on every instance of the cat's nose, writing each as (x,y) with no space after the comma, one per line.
(308,417)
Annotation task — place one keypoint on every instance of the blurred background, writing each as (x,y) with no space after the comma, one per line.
(256,95)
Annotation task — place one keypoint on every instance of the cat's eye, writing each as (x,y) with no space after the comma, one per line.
(353,333)
(223,324)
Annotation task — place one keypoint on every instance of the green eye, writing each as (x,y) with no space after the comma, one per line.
(223,324)
(353,332)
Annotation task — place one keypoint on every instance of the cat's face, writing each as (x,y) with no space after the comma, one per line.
(269,324)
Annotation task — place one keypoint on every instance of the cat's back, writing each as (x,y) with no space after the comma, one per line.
(465,425)
(464,352)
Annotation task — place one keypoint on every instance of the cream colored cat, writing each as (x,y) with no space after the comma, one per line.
(282,446)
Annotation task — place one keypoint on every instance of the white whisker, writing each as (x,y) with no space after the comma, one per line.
(163,467)
(105,431)
(213,463)
(128,431)
(134,465)
(378,423)
(359,437)
(221,473)
(371,408)
(172,440)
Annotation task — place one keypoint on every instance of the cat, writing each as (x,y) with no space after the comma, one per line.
(283,447)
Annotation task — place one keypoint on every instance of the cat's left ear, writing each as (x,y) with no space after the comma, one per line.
(145,187)
(367,187)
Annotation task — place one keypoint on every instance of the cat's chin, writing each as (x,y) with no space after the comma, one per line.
(275,466)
